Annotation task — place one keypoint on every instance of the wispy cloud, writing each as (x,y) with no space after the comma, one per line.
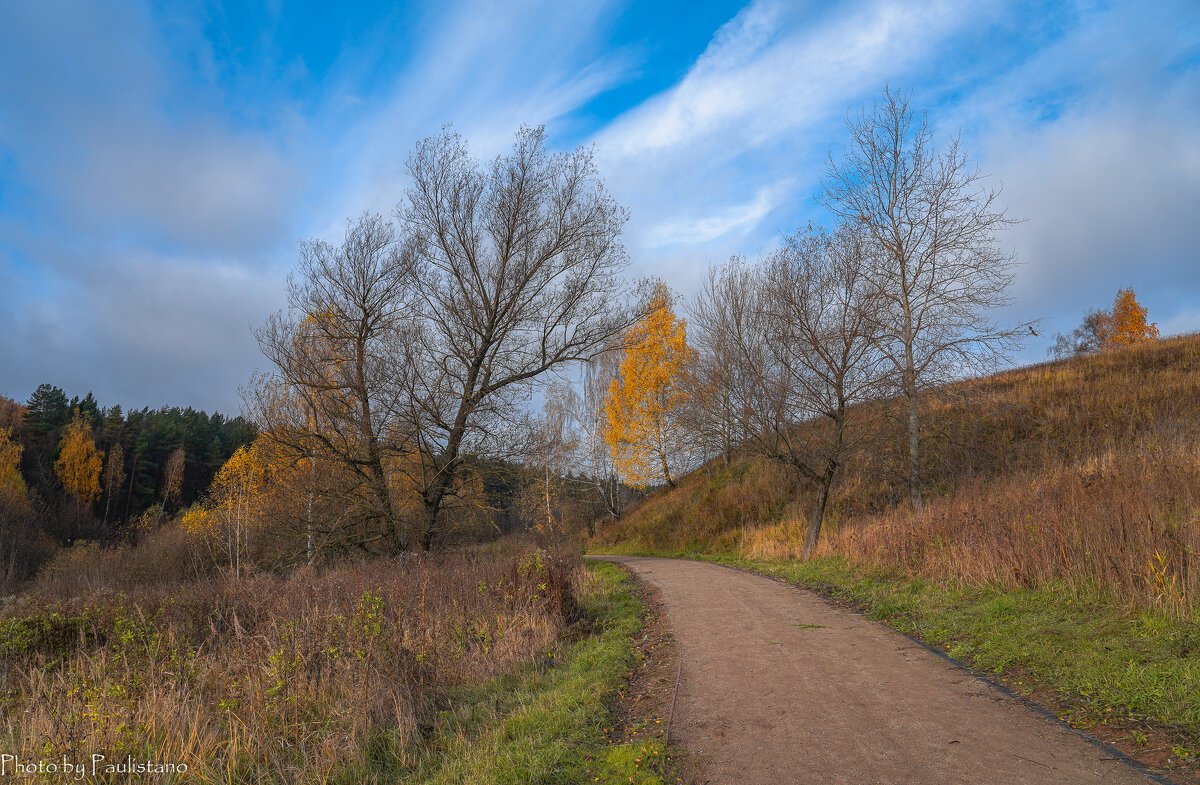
(487,72)
(1090,123)
(779,67)
(705,228)
(758,110)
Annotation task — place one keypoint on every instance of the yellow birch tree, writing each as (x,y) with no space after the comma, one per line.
(645,401)
(79,462)
(232,509)
(1127,323)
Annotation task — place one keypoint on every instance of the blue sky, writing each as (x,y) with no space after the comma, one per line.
(160,162)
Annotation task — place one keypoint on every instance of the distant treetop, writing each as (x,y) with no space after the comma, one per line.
(1125,324)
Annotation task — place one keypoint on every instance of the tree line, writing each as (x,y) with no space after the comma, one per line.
(892,301)
(402,372)
(397,411)
(798,356)
(71,469)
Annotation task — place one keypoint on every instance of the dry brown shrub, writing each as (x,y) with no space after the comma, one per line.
(289,678)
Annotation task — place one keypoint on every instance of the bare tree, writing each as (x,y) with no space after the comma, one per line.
(1087,338)
(593,457)
(339,367)
(938,270)
(556,442)
(516,274)
(801,347)
(721,312)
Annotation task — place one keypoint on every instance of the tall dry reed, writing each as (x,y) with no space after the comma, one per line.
(303,678)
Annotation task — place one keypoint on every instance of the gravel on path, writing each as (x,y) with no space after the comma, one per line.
(778,685)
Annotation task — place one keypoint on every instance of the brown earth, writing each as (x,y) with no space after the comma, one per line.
(778,685)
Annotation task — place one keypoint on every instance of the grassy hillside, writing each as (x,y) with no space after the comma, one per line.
(1059,547)
(1085,471)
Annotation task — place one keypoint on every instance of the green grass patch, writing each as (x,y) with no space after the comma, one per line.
(547,722)
(1105,662)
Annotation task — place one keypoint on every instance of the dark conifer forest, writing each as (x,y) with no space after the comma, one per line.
(153,462)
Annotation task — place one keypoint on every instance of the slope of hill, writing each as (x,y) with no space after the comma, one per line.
(1059,547)
(1085,470)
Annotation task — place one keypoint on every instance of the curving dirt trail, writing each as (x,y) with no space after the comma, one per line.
(780,686)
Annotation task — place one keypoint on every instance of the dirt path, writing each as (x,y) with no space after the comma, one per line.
(780,686)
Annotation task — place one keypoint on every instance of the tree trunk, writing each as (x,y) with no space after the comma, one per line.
(612,496)
(817,517)
(312,479)
(549,515)
(914,458)
(666,469)
(428,524)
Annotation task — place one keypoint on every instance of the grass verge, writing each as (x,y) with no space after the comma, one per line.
(545,723)
(1131,677)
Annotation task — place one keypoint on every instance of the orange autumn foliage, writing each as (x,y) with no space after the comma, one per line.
(12,484)
(645,400)
(79,462)
(1127,324)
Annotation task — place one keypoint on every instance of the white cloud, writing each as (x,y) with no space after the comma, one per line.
(750,123)
(773,70)
(1096,140)
(164,221)
(94,123)
(702,229)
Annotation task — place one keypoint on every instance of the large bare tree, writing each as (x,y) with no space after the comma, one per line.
(516,273)
(411,348)
(938,270)
(800,354)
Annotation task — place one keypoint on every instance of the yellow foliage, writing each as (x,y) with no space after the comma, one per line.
(1127,324)
(233,507)
(79,462)
(12,484)
(238,486)
(197,522)
(642,427)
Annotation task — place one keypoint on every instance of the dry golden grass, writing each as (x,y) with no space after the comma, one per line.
(308,678)
(1085,471)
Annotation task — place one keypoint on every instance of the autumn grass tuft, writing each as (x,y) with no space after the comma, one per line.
(337,676)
